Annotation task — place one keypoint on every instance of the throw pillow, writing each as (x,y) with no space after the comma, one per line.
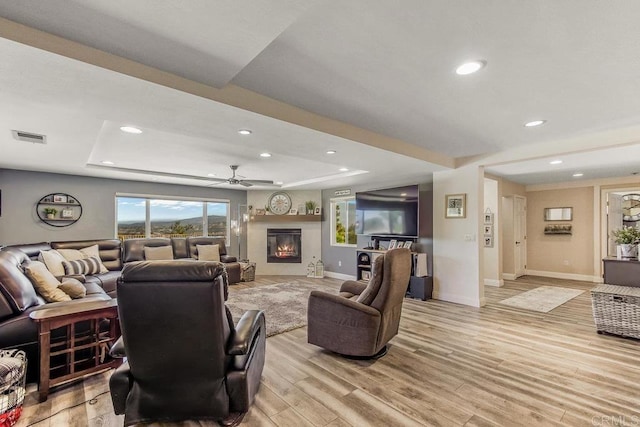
(373,287)
(158,253)
(82,266)
(53,260)
(78,254)
(44,282)
(73,288)
(208,252)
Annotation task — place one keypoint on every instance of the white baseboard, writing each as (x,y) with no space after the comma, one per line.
(568,276)
(509,276)
(340,276)
(458,299)
(493,282)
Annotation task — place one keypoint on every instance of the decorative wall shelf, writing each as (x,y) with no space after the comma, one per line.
(68,209)
(286,218)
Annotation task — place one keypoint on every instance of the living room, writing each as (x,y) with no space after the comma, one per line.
(283,75)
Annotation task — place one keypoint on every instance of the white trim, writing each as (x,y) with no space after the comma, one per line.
(509,276)
(340,276)
(568,276)
(458,299)
(493,282)
(166,197)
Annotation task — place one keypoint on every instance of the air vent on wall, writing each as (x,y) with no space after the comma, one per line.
(29,137)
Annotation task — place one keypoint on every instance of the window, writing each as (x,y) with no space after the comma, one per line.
(343,222)
(140,216)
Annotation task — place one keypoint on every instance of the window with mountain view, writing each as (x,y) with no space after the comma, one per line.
(151,217)
(343,222)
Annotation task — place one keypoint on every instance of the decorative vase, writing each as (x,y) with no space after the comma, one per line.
(628,250)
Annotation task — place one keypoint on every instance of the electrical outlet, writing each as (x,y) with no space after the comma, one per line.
(339,263)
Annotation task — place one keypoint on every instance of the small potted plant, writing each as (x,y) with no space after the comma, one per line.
(50,212)
(310,206)
(627,239)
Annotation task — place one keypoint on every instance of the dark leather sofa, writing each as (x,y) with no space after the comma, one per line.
(183,248)
(18,297)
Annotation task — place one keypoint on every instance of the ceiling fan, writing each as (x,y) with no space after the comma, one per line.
(244,182)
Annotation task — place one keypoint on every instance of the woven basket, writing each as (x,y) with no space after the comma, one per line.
(13,368)
(616,310)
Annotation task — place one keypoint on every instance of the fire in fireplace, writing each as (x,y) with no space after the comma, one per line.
(284,245)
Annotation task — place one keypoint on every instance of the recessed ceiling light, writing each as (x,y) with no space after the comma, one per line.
(245,132)
(343,169)
(535,123)
(265,154)
(578,174)
(331,151)
(107,162)
(130,129)
(555,162)
(211,174)
(471,67)
(403,194)
(279,182)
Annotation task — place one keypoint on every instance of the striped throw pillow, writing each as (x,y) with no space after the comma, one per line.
(89,265)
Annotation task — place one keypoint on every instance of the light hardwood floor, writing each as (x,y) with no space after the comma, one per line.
(450,365)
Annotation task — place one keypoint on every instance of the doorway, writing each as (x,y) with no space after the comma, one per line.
(520,235)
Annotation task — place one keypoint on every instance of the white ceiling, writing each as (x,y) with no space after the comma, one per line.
(385,67)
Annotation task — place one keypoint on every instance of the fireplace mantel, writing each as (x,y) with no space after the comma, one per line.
(286,218)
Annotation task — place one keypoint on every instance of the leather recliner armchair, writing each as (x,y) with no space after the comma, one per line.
(363,317)
(185,358)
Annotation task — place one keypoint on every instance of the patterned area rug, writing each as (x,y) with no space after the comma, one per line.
(542,299)
(284,304)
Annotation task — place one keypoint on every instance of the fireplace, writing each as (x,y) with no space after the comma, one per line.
(284,245)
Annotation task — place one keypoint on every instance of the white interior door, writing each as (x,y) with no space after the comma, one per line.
(614,220)
(520,234)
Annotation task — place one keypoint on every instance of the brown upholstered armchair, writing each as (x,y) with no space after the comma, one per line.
(185,358)
(363,317)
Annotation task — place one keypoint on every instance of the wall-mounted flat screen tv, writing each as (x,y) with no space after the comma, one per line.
(388,212)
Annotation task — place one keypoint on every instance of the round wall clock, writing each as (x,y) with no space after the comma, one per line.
(279,203)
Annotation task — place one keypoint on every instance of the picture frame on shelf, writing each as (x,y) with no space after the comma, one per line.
(488,230)
(366,275)
(59,198)
(488,218)
(293,212)
(408,244)
(261,212)
(455,205)
(66,213)
(392,244)
(317,210)
(301,209)
(71,200)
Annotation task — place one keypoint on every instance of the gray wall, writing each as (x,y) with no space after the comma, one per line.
(21,190)
(332,255)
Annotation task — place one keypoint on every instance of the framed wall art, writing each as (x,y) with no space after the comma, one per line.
(455,206)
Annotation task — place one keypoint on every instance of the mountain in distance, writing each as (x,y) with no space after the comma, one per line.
(169,222)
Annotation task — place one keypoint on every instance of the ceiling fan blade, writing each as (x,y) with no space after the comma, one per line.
(220,180)
(257,181)
(245,184)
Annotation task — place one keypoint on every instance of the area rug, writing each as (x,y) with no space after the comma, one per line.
(542,299)
(284,304)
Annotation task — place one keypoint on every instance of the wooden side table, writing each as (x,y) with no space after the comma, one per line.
(79,351)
